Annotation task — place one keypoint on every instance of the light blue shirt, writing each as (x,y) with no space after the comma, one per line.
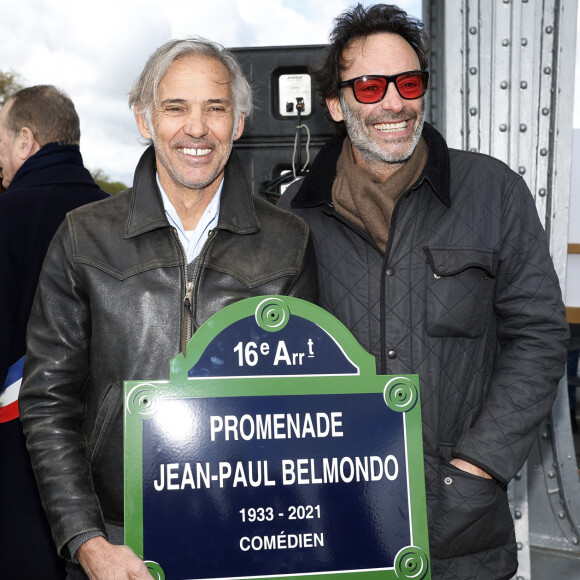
(193,241)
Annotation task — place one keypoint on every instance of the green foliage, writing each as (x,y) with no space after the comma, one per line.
(10,82)
(105,183)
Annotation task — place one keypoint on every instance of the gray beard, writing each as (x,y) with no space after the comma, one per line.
(370,150)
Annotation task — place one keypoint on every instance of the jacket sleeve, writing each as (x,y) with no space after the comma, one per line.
(305,283)
(532,336)
(51,405)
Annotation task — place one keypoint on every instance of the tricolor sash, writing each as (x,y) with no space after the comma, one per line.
(9,392)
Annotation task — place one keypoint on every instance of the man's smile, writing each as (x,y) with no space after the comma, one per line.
(391,127)
(194,152)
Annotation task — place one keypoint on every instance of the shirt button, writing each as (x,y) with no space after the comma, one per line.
(390,271)
(392,354)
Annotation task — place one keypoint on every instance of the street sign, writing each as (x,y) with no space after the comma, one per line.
(275,450)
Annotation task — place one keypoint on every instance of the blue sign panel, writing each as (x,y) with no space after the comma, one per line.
(300,348)
(275,450)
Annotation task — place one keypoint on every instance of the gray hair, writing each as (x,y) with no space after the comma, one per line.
(143,94)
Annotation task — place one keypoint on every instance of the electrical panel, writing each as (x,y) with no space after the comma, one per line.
(293,90)
(284,98)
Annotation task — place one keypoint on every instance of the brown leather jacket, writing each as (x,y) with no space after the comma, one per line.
(111,306)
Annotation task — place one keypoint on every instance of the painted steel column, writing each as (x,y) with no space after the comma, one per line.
(502,83)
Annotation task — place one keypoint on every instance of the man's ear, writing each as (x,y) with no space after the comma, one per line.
(335,109)
(142,123)
(240,128)
(27,145)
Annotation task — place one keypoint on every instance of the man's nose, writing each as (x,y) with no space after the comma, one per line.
(392,101)
(196,125)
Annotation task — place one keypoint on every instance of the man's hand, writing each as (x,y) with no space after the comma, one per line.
(470,468)
(102,560)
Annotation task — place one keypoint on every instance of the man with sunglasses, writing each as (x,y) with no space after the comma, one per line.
(436,261)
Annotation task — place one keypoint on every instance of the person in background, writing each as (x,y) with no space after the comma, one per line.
(43,178)
(436,261)
(125,286)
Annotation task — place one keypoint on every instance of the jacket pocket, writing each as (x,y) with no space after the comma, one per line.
(460,288)
(104,420)
(472,515)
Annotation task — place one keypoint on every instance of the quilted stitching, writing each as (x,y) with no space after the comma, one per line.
(484,390)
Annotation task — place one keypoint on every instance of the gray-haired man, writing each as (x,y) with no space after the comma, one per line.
(137,276)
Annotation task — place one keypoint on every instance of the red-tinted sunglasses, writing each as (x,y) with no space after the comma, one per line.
(373,88)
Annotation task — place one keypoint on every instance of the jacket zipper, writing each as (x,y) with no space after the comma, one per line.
(189,298)
(185,290)
(188,312)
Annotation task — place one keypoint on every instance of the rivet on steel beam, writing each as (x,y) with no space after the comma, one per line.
(518,475)
(523,127)
(575,541)
(520,546)
(503,85)
(551,474)
(547,70)
(524,85)
(542,193)
(473,70)
(503,127)
(506,1)
(518,514)
(549,30)
(473,30)
(521,170)
(562,515)
(473,111)
(544,434)
(473,149)
(524,42)
(543,152)
(545,111)
(505,42)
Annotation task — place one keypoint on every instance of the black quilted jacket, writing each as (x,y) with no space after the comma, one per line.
(465,296)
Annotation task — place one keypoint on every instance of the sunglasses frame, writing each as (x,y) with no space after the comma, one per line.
(390,79)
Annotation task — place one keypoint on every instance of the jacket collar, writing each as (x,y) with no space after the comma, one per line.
(317,186)
(147,213)
(54,157)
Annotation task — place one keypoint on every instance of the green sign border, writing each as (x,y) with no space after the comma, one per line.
(401,393)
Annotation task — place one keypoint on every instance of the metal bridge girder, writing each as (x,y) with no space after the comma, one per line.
(502,84)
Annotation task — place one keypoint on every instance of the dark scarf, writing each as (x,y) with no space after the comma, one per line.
(364,199)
